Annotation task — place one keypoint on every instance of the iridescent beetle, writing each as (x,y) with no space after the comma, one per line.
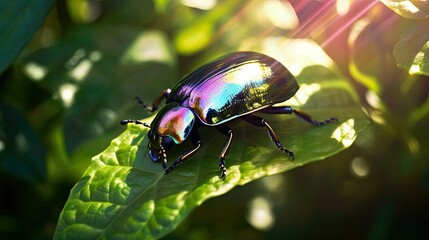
(233,86)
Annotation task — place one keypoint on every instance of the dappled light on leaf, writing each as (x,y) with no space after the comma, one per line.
(345,133)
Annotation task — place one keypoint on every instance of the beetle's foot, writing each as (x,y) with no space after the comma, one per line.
(291,154)
(222,169)
(317,123)
(169,169)
(172,166)
(306,117)
(284,150)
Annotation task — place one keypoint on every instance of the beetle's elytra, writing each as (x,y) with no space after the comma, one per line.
(233,86)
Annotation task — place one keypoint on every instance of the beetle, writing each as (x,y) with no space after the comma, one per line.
(236,85)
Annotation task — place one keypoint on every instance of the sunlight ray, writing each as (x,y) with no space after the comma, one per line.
(349,22)
(309,23)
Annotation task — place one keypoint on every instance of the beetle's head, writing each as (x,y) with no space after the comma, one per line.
(172,125)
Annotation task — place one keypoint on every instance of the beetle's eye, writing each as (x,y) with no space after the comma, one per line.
(167,142)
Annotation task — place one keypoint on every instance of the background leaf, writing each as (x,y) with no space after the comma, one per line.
(94,77)
(199,31)
(412,51)
(414,9)
(22,152)
(20,20)
(124,195)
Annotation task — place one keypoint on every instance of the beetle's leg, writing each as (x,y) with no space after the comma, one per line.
(155,103)
(227,132)
(260,122)
(302,115)
(196,140)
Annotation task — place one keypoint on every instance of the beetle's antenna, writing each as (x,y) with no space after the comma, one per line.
(126,121)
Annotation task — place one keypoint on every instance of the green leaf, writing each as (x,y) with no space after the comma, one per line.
(124,195)
(415,9)
(200,31)
(22,153)
(412,51)
(93,76)
(20,20)
(129,12)
(365,55)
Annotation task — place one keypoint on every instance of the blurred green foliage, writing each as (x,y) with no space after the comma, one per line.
(65,84)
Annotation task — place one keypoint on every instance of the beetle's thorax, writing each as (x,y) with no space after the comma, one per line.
(174,121)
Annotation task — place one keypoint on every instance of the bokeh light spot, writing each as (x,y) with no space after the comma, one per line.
(281,14)
(35,71)
(22,142)
(2,146)
(373,100)
(203,5)
(304,93)
(296,54)
(149,46)
(74,60)
(95,56)
(274,183)
(359,167)
(343,7)
(80,72)
(67,92)
(260,215)
(413,145)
